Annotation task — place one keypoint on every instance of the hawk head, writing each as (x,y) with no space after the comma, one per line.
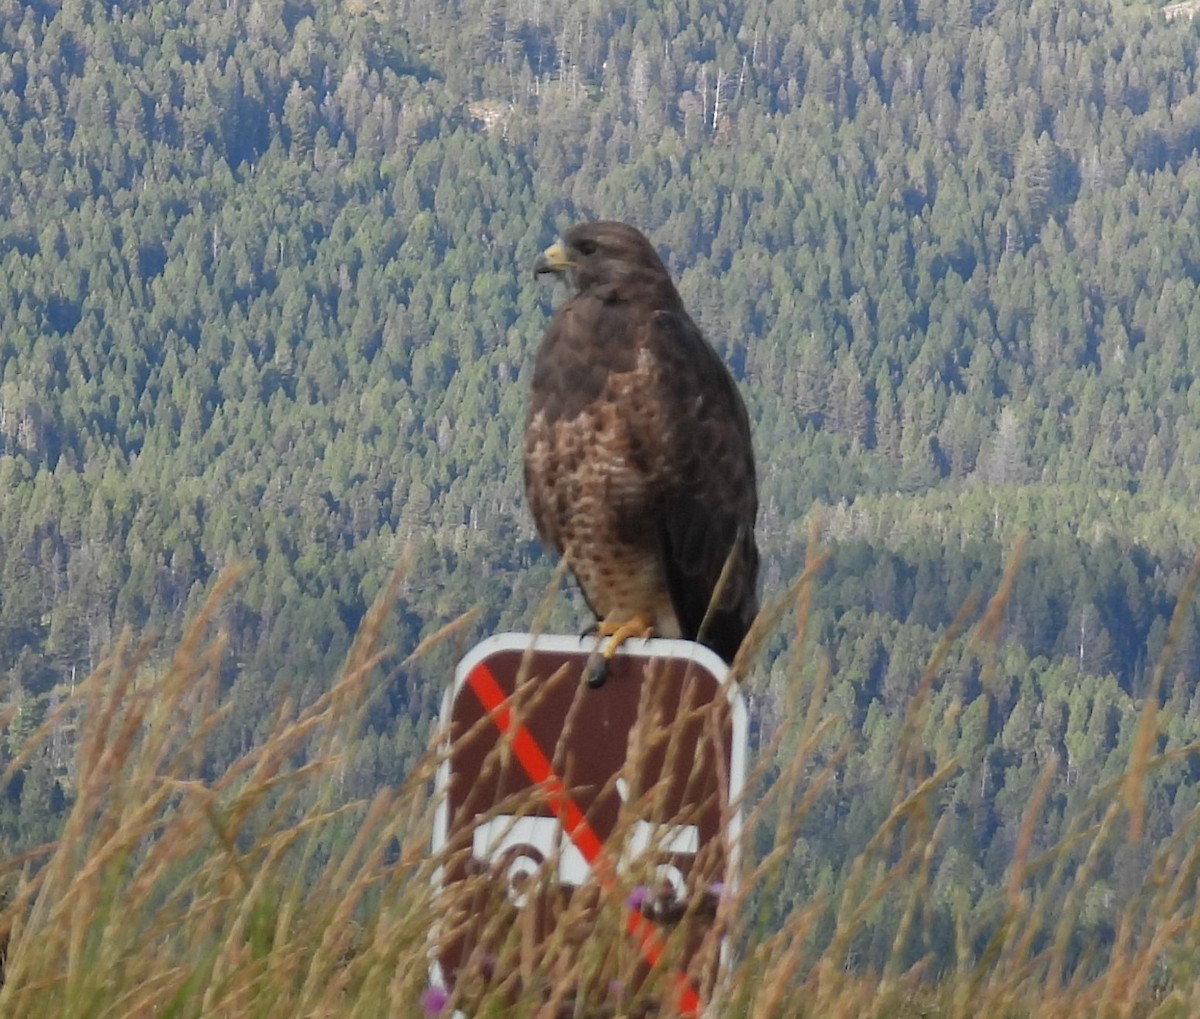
(597,254)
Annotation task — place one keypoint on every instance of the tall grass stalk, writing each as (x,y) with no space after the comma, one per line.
(173,893)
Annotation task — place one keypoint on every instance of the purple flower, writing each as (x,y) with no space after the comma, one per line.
(434,1000)
(637,898)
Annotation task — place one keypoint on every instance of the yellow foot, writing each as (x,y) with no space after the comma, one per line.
(618,633)
(595,672)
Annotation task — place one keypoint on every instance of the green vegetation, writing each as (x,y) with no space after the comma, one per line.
(264,300)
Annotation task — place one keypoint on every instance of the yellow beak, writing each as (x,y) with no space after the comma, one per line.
(553,259)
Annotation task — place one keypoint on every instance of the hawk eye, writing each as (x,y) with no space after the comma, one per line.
(586,247)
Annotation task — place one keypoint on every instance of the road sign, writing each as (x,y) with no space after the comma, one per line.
(586,835)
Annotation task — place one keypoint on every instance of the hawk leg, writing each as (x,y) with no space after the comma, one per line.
(595,672)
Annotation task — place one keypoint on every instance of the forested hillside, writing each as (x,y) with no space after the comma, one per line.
(265,298)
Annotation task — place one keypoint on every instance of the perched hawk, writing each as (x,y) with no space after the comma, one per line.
(638,463)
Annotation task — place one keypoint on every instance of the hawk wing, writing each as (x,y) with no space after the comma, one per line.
(708,511)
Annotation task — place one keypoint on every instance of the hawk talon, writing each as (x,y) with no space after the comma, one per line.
(595,671)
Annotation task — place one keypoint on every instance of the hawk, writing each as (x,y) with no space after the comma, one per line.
(639,468)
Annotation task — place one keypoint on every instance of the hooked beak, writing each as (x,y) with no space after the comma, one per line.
(553,259)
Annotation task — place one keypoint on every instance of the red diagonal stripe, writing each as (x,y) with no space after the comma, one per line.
(537,766)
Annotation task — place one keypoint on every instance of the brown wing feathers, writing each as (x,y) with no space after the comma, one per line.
(709,517)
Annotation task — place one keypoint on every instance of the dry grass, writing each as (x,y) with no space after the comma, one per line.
(172,895)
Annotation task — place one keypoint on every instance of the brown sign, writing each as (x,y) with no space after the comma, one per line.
(587,837)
